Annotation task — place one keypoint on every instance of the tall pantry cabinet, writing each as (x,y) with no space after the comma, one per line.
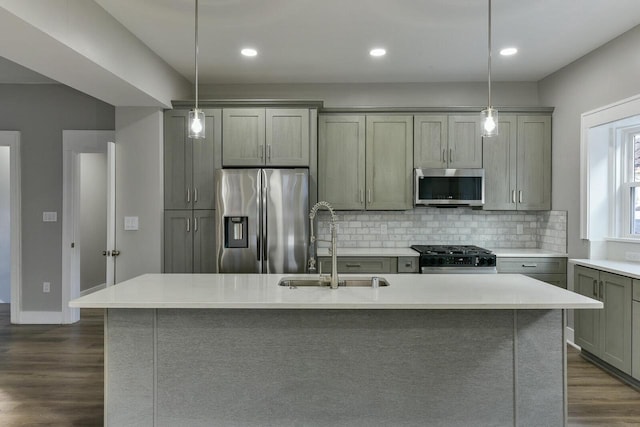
(189,229)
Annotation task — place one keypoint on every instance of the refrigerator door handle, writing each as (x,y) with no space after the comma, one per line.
(263,220)
(259,216)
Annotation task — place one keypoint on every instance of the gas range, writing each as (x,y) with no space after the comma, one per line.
(455,259)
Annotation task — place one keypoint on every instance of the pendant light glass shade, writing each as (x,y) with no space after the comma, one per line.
(196,116)
(196,124)
(489,120)
(489,116)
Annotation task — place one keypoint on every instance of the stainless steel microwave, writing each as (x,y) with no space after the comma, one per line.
(449,187)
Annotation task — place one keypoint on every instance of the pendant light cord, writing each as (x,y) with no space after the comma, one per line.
(197,53)
(489,66)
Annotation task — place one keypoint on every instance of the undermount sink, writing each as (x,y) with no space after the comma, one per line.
(294,282)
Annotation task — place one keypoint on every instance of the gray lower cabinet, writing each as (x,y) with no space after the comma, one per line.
(605,333)
(635,351)
(552,270)
(365,161)
(517,164)
(265,137)
(364,265)
(188,163)
(189,241)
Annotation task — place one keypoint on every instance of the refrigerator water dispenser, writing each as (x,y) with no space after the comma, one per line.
(235,232)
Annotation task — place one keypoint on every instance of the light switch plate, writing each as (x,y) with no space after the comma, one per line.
(49,216)
(130,222)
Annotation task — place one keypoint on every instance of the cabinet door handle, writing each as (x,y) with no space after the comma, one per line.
(594,289)
(444,155)
(361,195)
(188,195)
(520,196)
(353,265)
(195,224)
(195,195)
(513,196)
(261,151)
(369,195)
(269,151)
(450,155)
(530,265)
(601,289)
(188,225)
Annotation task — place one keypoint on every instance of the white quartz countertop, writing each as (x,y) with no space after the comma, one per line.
(370,252)
(527,253)
(629,269)
(406,291)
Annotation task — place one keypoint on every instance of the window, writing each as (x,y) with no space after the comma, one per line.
(630,185)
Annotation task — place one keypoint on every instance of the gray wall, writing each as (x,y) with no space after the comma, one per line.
(385,95)
(40,113)
(605,75)
(93,219)
(5,230)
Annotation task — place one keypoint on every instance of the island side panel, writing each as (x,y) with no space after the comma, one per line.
(335,367)
(541,362)
(129,367)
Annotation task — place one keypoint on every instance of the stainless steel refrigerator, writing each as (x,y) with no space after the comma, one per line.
(262,220)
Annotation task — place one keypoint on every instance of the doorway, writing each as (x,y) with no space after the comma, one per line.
(10,222)
(86,214)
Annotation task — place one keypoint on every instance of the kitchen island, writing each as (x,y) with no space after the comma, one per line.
(239,350)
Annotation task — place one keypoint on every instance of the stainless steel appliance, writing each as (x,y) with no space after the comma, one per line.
(455,259)
(449,187)
(262,220)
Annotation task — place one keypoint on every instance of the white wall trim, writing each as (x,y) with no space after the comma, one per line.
(73,143)
(570,336)
(40,318)
(12,140)
(599,116)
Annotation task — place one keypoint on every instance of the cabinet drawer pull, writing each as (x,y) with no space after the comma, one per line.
(353,265)
(530,265)
(408,264)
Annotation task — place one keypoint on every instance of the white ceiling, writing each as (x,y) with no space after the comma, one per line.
(327,41)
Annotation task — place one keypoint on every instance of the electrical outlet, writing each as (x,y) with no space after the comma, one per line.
(46,287)
(632,256)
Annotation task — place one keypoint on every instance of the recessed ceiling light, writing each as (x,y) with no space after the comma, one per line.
(508,51)
(378,52)
(249,52)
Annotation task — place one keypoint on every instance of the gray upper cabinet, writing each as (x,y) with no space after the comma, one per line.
(365,162)
(430,146)
(265,137)
(517,164)
(341,161)
(188,163)
(465,141)
(447,141)
(389,160)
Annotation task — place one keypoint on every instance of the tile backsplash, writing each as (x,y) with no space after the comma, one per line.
(462,226)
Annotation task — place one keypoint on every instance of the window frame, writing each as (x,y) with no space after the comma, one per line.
(625,183)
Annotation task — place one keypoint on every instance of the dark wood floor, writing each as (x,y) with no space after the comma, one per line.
(53,376)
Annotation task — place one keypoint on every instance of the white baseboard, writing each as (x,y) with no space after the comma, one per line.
(570,335)
(93,289)
(40,318)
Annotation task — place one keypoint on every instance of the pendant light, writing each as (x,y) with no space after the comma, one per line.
(489,116)
(196,116)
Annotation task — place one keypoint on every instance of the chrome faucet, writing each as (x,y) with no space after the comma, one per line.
(333,249)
